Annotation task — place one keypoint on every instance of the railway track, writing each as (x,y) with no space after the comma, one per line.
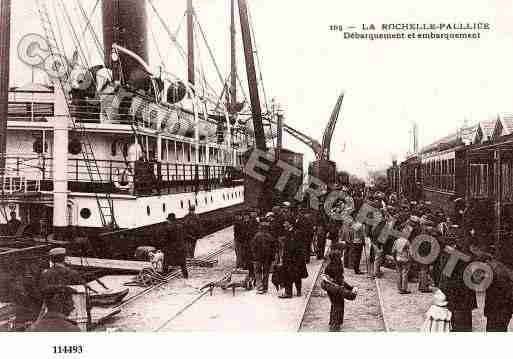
(365,313)
(174,274)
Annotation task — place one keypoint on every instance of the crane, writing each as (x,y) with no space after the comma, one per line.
(321,151)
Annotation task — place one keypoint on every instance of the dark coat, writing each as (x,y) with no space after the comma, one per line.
(238,230)
(252,228)
(54,322)
(499,295)
(245,242)
(59,275)
(13,225)
(263,247)
(294,257)
(459,296)
(193,226)
(335,270)
(173,245)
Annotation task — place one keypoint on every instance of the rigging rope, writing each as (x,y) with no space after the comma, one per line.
(157,47)
(59,31)
(99,46)
(258,59)
(173,38)
(177,32)
(208,48)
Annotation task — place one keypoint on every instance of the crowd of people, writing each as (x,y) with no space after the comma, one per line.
(281,242)
(277,245)
(453,297)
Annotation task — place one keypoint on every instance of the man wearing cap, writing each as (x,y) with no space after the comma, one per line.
(193,230)
(13,224)
(59,273)
(263,248)
(173,245)
(59,302)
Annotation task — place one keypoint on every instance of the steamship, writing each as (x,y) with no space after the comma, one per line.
(110,148)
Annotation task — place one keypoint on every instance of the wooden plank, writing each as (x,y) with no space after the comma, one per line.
(113,264)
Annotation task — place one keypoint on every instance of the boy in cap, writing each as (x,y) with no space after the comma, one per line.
(59,302)
(59,273)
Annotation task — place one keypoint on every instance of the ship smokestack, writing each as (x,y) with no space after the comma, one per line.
(125,23)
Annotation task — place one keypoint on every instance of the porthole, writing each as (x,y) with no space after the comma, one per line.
(181,204)
(85,213)
(164,207)
(148,211)
(211,199)
(206,201)
(196,201)
(189,201)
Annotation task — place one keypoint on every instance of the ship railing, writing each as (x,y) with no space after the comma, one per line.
(18,185)
(108,111)
(35,173)
(22,174)
(147,178)
(30,111)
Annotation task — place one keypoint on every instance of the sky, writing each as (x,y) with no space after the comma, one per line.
(388,84)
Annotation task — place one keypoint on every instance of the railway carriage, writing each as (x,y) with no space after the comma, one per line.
(476,164)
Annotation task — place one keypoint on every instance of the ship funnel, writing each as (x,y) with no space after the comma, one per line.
(125,24)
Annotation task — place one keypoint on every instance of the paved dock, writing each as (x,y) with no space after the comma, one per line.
(405,313)
(147,312)
(247,310)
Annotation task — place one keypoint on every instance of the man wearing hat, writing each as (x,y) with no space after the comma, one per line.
(357,247)
(193,230)
(173,245)
(59,302)
(59,274)
(401,254)
(263,248)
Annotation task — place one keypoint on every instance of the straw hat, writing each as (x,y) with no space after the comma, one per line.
(439,298)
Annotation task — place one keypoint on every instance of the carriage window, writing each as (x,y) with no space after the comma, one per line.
(507,181)
(479,180)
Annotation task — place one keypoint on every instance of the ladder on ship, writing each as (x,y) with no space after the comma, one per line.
(103,200)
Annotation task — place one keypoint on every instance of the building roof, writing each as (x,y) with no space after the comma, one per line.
(503,125)
(487,127)
(468,134)
(448,141)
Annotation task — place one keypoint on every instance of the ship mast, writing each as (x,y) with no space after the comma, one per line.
(5,44)
(190,42)
(256,109)
(191,72)
(233,71)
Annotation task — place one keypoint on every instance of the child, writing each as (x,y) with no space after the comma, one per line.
(438,317)
(340,290)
